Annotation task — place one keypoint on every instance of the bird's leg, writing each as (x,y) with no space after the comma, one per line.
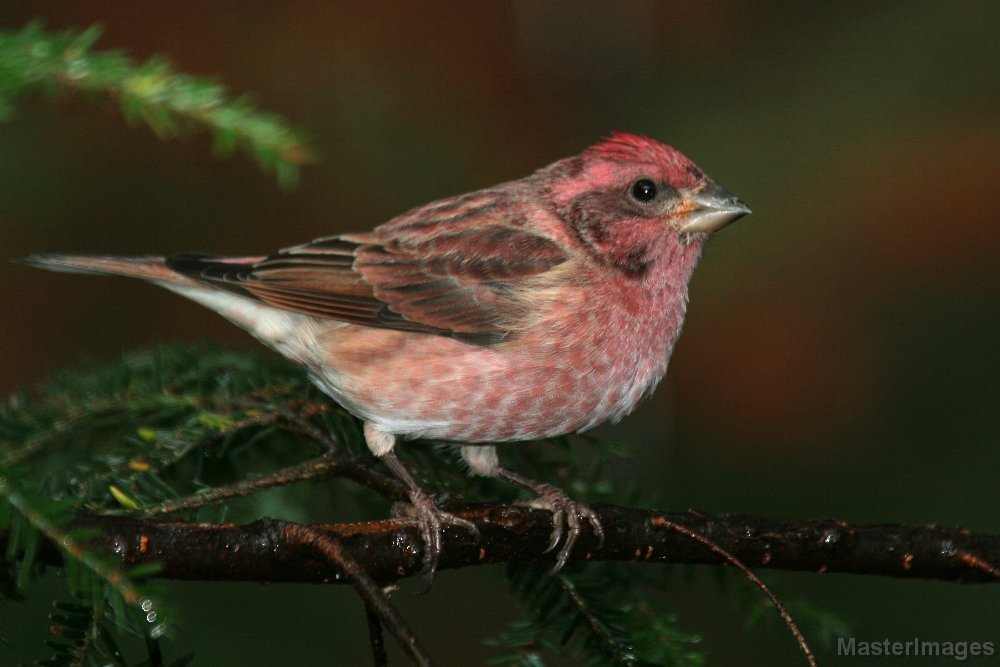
(421,509)
(568,515)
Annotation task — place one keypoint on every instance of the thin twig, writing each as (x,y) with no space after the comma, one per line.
(154,652)
(716,549)
(980,564)
(360,468)
(375,599)
(317,468)
(379,656)
(298,415)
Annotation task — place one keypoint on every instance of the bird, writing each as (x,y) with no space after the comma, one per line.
(535,308)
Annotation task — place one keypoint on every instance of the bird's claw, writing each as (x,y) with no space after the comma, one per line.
(432,521)
(568,516)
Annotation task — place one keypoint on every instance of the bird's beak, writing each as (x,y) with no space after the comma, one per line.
(712,209)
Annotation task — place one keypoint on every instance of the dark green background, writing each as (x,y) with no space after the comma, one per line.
(840,356)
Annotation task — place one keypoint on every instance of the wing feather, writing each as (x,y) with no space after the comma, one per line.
(449,268)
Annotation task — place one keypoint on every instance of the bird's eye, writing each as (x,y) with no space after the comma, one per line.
(644,190)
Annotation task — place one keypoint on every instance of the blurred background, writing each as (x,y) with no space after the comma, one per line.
(840,356)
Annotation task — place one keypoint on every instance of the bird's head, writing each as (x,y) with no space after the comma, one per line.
(631,200)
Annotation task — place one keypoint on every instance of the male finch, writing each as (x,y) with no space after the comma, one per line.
(535,308)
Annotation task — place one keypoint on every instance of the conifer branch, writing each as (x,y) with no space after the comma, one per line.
(389,550)
(125,443)
(153,92)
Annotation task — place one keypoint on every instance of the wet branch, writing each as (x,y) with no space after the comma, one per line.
(389,550)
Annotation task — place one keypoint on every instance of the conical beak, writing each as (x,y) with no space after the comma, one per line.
(714,208)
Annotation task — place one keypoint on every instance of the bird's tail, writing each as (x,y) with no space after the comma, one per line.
(148,267)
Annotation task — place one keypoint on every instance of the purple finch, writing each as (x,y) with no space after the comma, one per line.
(535,308)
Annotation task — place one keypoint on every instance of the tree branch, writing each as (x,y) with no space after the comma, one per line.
(389,550)
(169,101)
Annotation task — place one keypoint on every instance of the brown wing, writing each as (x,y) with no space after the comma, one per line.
(451,271)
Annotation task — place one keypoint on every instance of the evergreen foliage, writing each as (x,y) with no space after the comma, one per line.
(153,92)
(180,420)
(117,438)
(596,613)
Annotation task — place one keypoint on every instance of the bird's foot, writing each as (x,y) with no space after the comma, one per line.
(432,521)
(568,516)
